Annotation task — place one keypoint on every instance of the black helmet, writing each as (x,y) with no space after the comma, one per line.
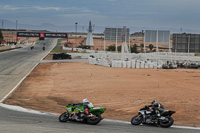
(154,102)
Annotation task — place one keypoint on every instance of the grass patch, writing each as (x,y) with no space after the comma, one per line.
(38,41)
(58,49)
(61,51)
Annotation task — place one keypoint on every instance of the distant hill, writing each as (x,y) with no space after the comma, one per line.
(48,26)
(71,28)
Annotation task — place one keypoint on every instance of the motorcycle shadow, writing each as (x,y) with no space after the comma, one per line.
(149,125)
(79,123)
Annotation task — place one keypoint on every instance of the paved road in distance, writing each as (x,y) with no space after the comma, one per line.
(15,64)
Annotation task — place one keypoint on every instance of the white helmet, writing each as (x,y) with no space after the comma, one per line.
(85,100)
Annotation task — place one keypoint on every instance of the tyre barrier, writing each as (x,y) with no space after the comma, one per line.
(189,65)
(61,56)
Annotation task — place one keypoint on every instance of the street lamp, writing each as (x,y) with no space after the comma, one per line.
(16,31)
(76,31)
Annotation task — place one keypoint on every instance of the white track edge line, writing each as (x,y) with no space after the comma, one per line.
(21,109)
(7,95)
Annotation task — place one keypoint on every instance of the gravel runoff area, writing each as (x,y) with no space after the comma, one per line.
(51,86)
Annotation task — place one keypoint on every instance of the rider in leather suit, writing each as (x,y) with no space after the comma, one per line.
(157,108)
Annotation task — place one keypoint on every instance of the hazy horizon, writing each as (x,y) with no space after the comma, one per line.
(154,14)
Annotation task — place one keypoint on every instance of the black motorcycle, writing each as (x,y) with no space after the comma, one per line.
(146,116)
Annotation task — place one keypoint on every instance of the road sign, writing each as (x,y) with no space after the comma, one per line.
(41,35)
(159,36)
(28,34)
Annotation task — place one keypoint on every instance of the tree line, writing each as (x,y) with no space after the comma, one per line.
(134,48)
(1,37)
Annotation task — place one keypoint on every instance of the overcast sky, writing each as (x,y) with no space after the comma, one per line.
(131,13)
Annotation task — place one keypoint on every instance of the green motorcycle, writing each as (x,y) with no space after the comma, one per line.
(76,112)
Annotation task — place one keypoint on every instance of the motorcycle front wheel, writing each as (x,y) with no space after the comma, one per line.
(64,117)
(137,120)
(168,122)
(94,120)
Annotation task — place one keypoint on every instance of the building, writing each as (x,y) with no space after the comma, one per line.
(189,43)
(137,38)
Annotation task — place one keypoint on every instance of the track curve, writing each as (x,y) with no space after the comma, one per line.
(15,65)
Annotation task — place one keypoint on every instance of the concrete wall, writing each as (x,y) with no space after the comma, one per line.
(151,56)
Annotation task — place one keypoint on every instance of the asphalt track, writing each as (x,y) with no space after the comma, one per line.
(15,65)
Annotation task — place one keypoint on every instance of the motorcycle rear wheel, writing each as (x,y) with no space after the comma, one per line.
(64,117)
(168,123)
(137,120)
(94,120)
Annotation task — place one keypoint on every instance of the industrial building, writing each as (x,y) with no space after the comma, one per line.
(189,43)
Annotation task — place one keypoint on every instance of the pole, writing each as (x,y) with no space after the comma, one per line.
(129,42)
(157,47)
(67,40)
(116,40)
(176,47)
(169,42)
(169,47)
(16,38)
(125,34)
(104,44)
(76,31)
(16,32)
(188,45)
(157,41)
(144,41)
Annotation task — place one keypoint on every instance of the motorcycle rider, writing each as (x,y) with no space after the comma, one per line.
(32,46)
(87,105)
(157,108)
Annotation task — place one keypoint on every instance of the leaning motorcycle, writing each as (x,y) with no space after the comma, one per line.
(75,112)
(145,116)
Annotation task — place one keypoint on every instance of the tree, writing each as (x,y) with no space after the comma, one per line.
(111,48)
(83,46)
(134,49)
(1,37)
(151,47)
(119,48)
(141,47)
